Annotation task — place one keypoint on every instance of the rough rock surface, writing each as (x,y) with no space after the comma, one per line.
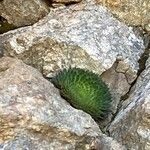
(131,126)
(23,12)
(88,28)
(85,36)
(118,83)
(34,116)
(135,12)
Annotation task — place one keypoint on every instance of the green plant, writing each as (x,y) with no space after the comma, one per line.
(84,90)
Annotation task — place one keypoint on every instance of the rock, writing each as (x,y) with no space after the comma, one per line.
(102,40)
(82,35)
(107,143)
(34,116)
(22,13)
(147,28)
(117,82)
(131,126)
(134,13)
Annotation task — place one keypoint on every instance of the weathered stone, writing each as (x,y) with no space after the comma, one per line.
(23,12)
(131,126)
(34,116)
(85,36)
(108,143)
(118,84)
(91,28)
(147,28)
(135,12)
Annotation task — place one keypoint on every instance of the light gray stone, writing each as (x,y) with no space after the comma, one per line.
(23,12)
(34,116)
(108,143)
(89,27)
(131,126)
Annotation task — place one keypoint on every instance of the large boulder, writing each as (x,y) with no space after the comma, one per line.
(23,12)
(34,116)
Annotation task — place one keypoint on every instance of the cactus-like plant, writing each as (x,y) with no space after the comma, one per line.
(84,90)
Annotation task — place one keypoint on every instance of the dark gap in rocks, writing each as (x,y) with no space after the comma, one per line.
(49,2)
(71,3)
(142,64)
(144,57)
(5,26)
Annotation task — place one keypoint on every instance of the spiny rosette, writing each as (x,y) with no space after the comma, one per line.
(84,90)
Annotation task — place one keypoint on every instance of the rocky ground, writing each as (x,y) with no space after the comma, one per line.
(54,35)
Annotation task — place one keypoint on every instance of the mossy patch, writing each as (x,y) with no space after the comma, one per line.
(84,90)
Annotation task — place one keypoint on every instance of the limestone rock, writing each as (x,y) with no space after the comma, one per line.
(131,126)
(34,116)
(82,35)
(135,12)
(23,12)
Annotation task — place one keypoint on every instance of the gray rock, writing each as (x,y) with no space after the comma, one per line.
(21,13)
(34,116)
(82,35)
(131,126)
(89,27)
(107,143)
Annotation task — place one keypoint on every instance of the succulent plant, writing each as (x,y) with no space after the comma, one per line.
(84,90)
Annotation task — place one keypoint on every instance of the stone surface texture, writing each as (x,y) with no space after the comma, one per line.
(135,12)
(81,35)
(34,116)
(131,126)
(86,35)
(118,84)
(90,29)
(23,12)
